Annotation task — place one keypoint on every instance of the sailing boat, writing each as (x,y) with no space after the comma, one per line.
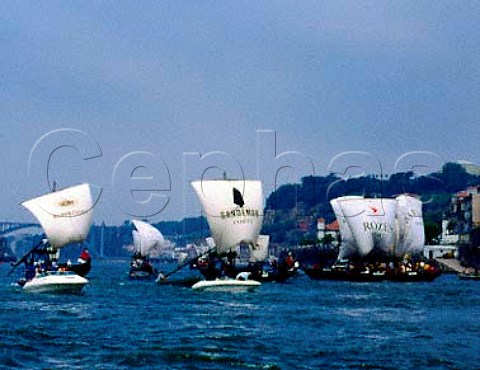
(381,239)
(234,214)
(66,217)
(147,241)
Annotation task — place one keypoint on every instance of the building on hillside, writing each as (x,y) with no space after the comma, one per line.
(320,228)
(462,226)
(463,216)
(331,229)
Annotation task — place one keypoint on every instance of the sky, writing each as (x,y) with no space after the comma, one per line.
(150,95)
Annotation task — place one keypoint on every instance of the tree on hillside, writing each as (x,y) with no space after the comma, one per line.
(455,178)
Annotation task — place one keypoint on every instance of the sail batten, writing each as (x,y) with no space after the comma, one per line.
(234,210)
(65,215)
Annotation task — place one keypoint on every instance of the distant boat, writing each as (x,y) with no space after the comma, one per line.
(382,239)
(234,214)
(147,240)
(66,217)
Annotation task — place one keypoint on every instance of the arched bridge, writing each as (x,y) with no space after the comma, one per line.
(7,227)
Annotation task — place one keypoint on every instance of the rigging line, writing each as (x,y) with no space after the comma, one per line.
(24,257)
(181,266)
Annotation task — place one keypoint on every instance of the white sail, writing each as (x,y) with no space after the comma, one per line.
(353,212)
(234,210)
(146,238)
(411,232)
(260,253)
(392,227)
(347,247)
(65,215)
(380,220)
(372,223)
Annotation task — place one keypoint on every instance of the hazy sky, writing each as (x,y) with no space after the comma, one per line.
(167,78)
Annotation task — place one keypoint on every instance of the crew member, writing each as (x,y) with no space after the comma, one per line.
(85,255)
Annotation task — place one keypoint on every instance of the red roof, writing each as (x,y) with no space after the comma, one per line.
(333,226)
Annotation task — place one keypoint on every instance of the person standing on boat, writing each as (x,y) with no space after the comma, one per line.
(289,261)
(38,268)
(230,263)
(85,255)
(29,269)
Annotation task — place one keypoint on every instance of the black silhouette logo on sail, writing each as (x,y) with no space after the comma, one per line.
(237,198)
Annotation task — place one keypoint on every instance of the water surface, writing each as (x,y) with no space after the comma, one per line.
(302,324)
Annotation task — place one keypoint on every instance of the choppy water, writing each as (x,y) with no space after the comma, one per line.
(302,324)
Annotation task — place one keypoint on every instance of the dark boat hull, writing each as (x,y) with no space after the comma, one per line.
(326,274)
(419,277)
(186,282)
(266,276)
(469,276)
(81,269)
(261,275)
(142,275)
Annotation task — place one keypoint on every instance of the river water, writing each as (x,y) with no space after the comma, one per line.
(302,324)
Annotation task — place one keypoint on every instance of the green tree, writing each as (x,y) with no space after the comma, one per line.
(432,232)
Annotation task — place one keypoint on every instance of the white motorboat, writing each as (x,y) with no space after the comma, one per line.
(240,284)
(66,282)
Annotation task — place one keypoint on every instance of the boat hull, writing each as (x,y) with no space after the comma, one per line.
(142,274)
(463,276)
(326,274)
(418,277)
(257,272)
(271,276)
(56,283)
(222,285)
(186,283)
(81,269)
